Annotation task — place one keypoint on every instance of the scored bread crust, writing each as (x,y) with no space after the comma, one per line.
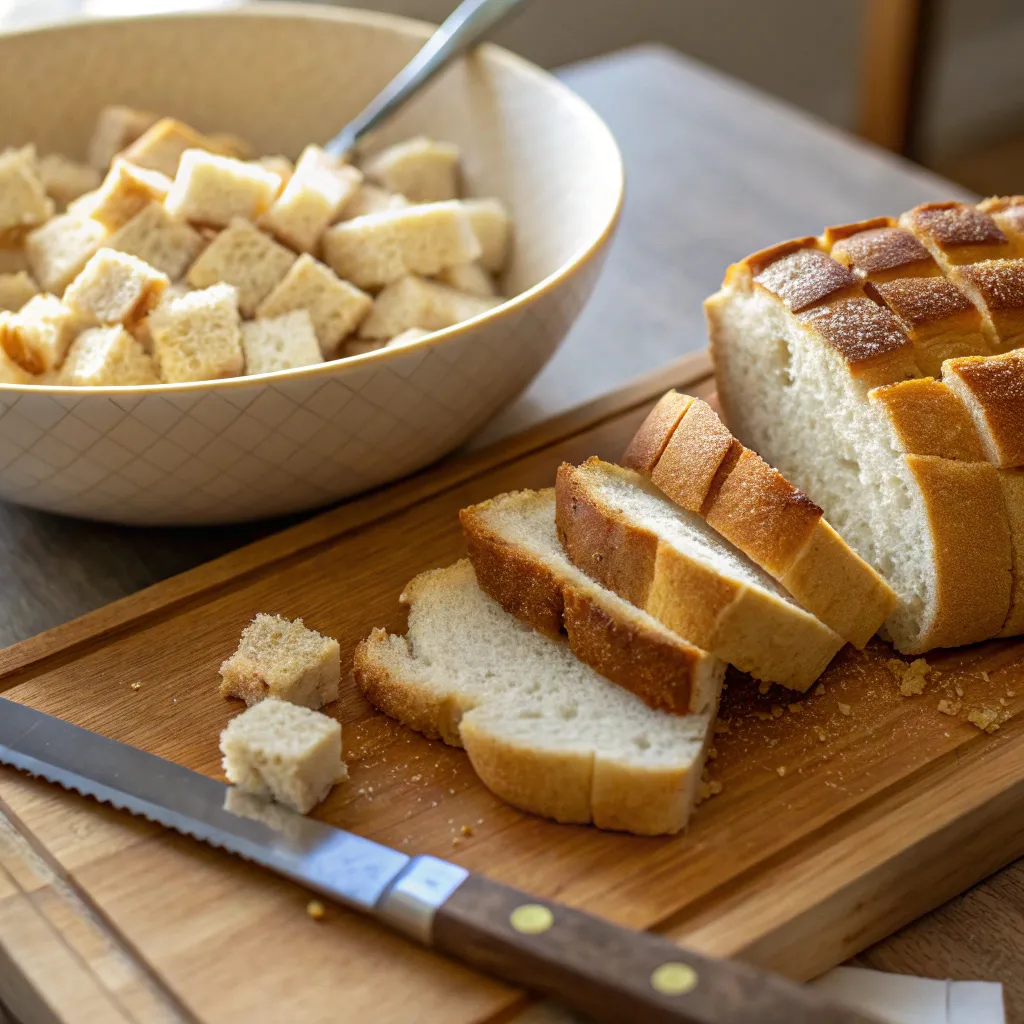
(572,786)
(662,669)
(750,627)
(992,389)
(774,523)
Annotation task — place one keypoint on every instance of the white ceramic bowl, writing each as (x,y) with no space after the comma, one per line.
(282,75)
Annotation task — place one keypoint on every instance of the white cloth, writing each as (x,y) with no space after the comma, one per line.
(901,999)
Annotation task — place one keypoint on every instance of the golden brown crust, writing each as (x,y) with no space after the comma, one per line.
(764,258)
(868,337)
(883,253)
(938,318)
(692,456)
(993,390)
(1012,483)
(957,233)
(930,420)
(751,628)
(971,536)
(649,441)
(839,232)
(997,289)
(805,278)
(1008,213)
(662,669)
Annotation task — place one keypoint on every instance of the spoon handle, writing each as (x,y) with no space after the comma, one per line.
(464,27)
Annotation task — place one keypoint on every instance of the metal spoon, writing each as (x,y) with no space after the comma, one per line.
(464,27)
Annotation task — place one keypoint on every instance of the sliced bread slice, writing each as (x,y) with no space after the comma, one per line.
(542,730)
(704,469)
(514,548)
(623,532)
(797,394)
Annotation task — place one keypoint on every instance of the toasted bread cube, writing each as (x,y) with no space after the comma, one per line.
(407,336)
(381,248)
(197,336)
(282,659)
(470,278)
(117,128)
(311,200)
(115,288)
(10,371)
(244,256)
(161,147)
(214,190)
(414,302)
(370,199)
(279,165)
(107,357)
(24,203)
(355,347)
(492,227)
(285,752)
(37,337)
(125,191)
(59,249)
(65,180)
(16,290)
(167,244)
(230,145)
(280,343)
(420,169)
(335,306)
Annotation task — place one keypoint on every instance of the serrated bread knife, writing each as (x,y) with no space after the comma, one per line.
(610,973)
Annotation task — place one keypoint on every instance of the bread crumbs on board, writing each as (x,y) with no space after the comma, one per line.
(316,910)
(986,719)
(910,678)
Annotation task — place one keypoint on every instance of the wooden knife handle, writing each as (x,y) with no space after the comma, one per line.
(611,973)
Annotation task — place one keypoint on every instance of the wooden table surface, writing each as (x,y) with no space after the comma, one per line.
(715,170)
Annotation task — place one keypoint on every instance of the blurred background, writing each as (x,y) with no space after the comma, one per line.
(940,81)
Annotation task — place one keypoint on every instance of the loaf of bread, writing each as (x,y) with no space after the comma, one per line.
(689,454)
(868,366)
(518,560)
(542,730)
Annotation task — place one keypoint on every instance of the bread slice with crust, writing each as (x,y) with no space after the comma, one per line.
(704,469)
(993,391)
(797,393)
(541,729)
(514,548)
(624,533)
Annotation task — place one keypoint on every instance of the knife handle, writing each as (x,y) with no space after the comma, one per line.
(611,973)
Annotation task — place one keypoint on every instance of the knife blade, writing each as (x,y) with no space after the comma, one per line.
(611,973)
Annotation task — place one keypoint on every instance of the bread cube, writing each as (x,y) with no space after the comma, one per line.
(244,256)
(115,288)
(197,336)
(414,302)
(59,249)
(125,191)
(161,147)
(117,128)
(282,659)
(37,337)
(279,165)
(280,343)
(166,244)
(107,357)
(24,203)
(381,248)
(285,752)
(228,144)
(407,336)
(16,290)
(492,227)
(356,347)
(10,371)
(335,306)
(65,180)
(420,169)
(470,278)
(211,189)
(311,200)
(370,199)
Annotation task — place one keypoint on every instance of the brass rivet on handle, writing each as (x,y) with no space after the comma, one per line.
(673,979)
(531,919)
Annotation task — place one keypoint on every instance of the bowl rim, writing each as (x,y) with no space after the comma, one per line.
(351,364)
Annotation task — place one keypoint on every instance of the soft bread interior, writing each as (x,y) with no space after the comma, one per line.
(793,400)
(543,730)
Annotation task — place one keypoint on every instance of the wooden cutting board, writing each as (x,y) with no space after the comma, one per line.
(842,814)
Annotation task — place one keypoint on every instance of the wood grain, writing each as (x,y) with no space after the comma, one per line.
(843,814)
